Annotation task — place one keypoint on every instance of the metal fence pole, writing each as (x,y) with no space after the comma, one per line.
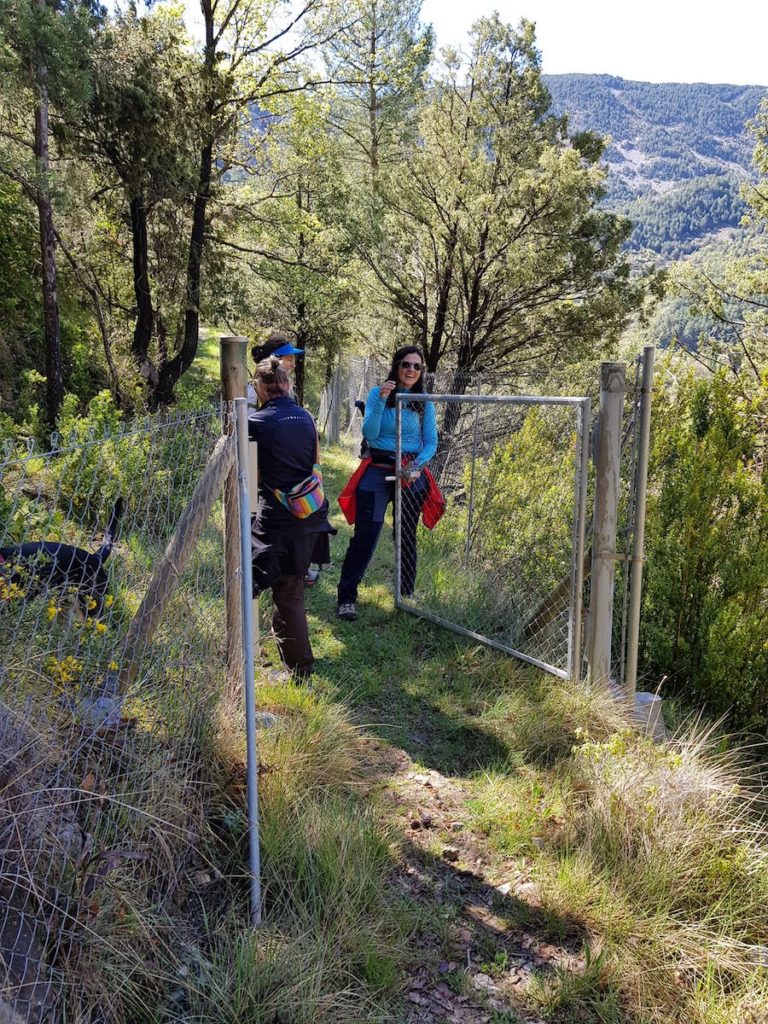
(334,432)
(633,434)
(577,592)
(234,381)
(607,478)
(398,499)
(249,681)
(641,492)
(471,507)
(253,496)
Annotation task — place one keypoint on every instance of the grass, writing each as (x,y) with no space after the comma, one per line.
(655,857)
(645,866)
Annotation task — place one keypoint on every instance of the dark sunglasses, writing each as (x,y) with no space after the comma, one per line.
(407,365)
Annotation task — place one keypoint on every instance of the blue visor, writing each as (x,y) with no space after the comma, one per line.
(288,350)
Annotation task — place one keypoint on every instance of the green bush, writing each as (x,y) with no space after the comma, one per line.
(705,617)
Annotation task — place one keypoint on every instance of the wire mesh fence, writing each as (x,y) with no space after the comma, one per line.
(504,563)
(341,417)
(342,402)
(111,659)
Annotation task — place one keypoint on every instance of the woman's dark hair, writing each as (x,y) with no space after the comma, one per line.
(418,387)
(272,377)
(274,341)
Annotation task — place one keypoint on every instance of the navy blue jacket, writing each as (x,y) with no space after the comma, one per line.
(287,439)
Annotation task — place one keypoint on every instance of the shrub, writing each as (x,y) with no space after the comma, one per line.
(705,615)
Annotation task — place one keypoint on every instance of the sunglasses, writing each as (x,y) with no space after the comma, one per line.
(407,365)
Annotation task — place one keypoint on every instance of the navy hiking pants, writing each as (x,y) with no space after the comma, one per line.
(374,493)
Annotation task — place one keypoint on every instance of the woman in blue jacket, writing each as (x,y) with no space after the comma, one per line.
(374,491)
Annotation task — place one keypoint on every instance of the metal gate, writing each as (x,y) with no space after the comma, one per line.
(505,563)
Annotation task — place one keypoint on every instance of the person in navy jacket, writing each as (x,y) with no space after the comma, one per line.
(375,491)
(283,545)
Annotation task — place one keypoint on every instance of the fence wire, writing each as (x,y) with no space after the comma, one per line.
(342,401)
(103,703)
(341,413)
(502,564)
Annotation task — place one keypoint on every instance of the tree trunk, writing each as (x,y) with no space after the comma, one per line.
(460,380)
(171,372)
(435,350)
(54,370)
(145,316)
(301,342)
(301,312)
(373,106)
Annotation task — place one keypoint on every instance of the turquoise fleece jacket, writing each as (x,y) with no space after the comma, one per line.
(419,435)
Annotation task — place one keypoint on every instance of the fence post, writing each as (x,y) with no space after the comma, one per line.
(248,655)
(335,417)
(581,475)
(607,475)
(638,541)
(398,502)
(234,381)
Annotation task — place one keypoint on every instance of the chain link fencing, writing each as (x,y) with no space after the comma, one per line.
(512,472)
(111,658)
(342,401)
(341,417)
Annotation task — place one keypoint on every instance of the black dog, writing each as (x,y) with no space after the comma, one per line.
(39,567)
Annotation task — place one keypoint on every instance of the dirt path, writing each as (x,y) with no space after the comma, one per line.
(483,940)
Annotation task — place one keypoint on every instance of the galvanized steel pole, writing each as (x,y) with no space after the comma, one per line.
(607,477)
(581,475)
(249,681)
(471,505)
(638,543)
(398,500)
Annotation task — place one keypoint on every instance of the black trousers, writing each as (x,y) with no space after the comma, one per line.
(282,564)
(374,493)
(289,622)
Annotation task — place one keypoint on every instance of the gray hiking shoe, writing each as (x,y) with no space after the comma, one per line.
(348,612)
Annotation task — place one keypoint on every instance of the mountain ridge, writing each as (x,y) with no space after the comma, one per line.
(677,157)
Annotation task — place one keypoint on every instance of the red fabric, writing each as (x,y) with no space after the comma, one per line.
(434,504)
(348,497)
(432,509)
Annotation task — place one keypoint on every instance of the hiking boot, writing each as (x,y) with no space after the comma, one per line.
(347,611)
(277,675)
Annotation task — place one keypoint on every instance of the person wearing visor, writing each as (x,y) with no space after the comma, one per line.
(287,355)
(277,344)
(374,489)
(291,513)
(280,345)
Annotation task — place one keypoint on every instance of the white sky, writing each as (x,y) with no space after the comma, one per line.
(642,40)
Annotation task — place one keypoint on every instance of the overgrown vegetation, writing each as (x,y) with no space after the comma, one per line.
(342,181)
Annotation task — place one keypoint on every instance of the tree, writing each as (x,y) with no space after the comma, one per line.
(46,57)
(243,69)
(379,60)
(488,240)
(139,133)
(306,279)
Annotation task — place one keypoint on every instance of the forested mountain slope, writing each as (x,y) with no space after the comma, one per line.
(678,152)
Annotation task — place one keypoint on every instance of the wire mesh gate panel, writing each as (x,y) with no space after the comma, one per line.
(99,817)
(505,563)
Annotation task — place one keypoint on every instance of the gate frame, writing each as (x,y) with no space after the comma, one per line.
(583,408)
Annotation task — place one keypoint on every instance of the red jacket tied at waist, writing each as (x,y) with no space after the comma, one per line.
(431,510)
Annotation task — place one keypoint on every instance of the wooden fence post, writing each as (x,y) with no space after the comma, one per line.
(234,382)
(604,524)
